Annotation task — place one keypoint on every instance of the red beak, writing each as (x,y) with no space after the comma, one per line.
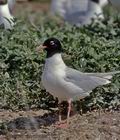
(40,48)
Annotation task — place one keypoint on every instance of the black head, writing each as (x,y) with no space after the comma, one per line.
(3,2)
(52,46)
(96,1)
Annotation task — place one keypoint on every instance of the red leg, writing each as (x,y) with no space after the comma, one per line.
(69,110)
(61,122)
(64,124)
(60,117)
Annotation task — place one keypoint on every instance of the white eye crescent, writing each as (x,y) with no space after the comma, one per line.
(52,43)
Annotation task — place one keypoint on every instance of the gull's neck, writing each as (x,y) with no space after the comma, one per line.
(55,61)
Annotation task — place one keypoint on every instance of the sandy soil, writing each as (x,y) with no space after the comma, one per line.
(40,124)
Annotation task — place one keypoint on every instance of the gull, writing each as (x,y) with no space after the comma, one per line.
(79,12)
(5,16)
(64,82)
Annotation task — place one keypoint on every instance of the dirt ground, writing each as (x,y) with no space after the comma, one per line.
(31,6)
(40,125)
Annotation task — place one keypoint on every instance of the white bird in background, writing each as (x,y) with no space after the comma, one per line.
(67,83)
(79,12)
(5,16)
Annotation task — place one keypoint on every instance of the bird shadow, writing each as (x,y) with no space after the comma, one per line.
(34,122)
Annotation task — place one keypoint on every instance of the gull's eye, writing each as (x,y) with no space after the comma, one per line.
(52,43)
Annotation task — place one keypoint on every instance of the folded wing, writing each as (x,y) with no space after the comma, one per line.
(88,81)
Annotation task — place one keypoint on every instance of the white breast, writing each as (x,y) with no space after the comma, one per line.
(53,74)
(53,79)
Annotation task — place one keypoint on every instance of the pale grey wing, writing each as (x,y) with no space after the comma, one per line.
(1,22)
(85,82)
(107,75)
(11,4)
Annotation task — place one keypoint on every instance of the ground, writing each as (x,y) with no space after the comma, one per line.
(40,124)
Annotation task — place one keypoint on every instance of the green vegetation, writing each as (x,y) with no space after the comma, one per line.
(95,48)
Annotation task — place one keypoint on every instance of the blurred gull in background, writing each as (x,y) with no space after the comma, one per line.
(5,16)
(79,12)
